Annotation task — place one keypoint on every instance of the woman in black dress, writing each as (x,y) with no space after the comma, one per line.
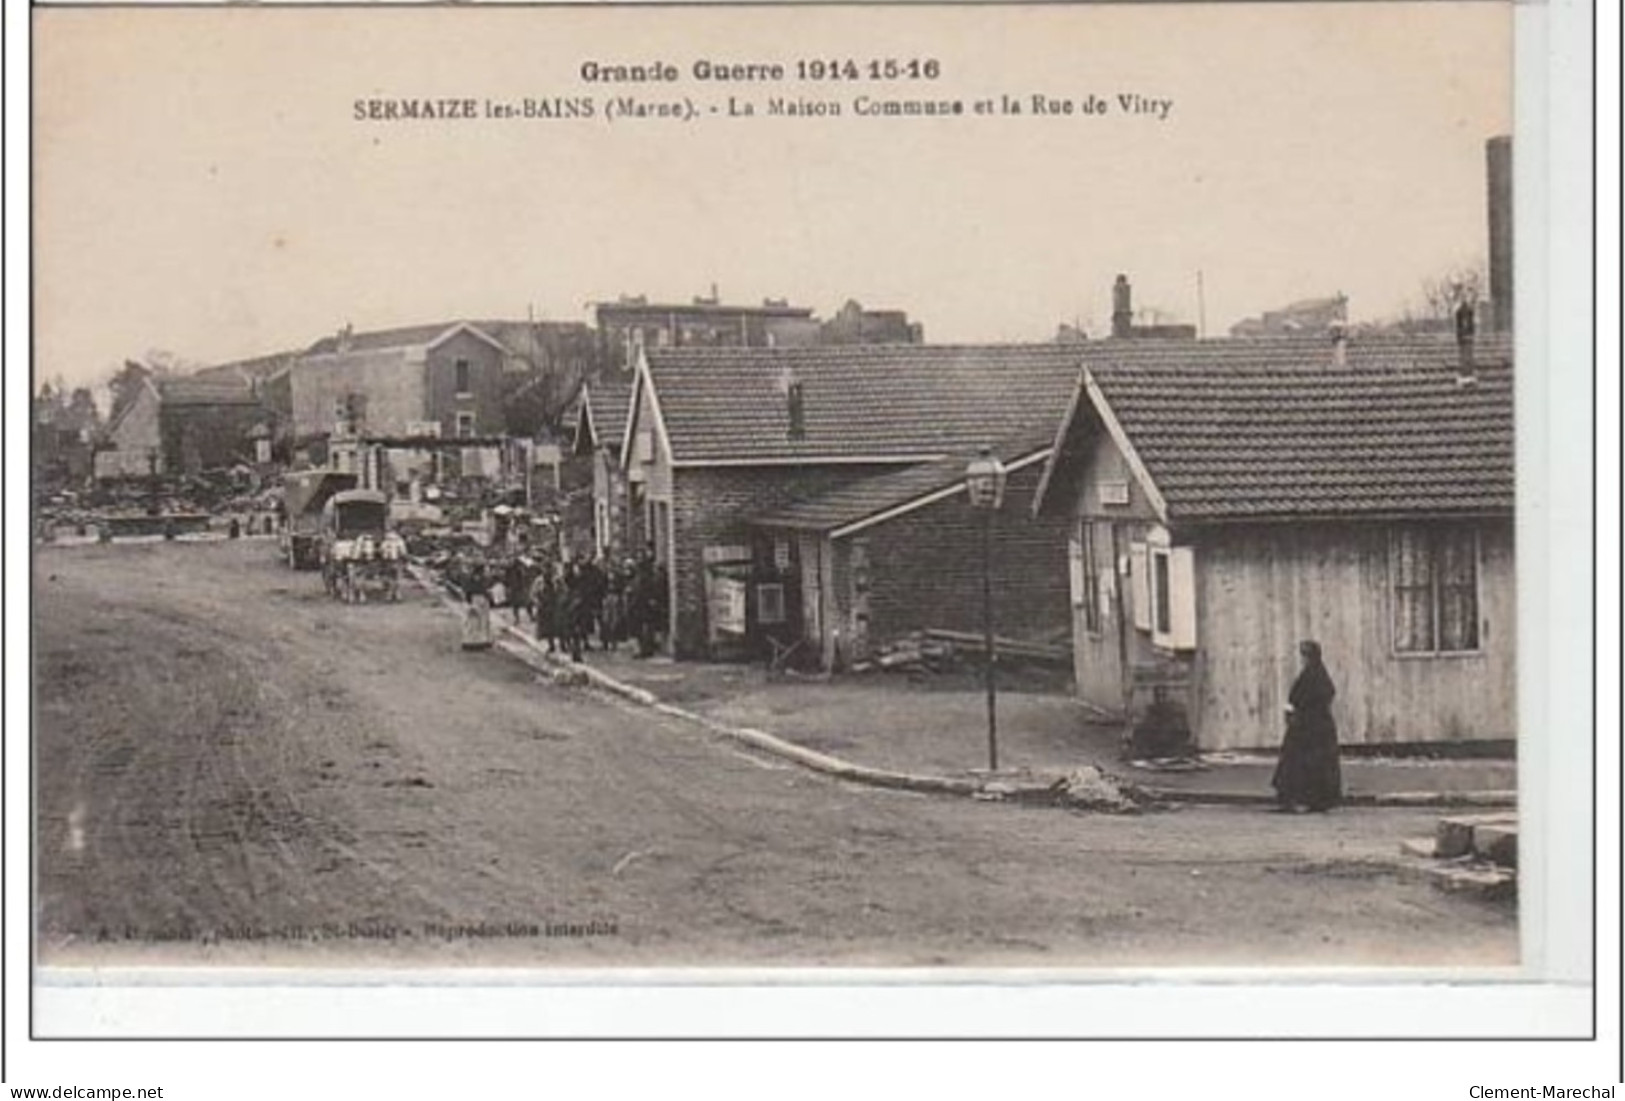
(1309,775)
(477,618)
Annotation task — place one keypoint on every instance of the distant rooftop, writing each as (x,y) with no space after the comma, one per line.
(770,307)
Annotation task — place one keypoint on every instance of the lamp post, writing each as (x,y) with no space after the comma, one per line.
(984,486)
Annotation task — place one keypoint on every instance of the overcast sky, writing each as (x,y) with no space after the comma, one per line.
(201,185)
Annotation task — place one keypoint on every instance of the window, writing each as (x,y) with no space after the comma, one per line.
(1086,579)
(1435,586)
(1140,585)
(465,426)
(465,386)
(1162,612)
(770,603)
(1171,595)
(643,446)
(349,413)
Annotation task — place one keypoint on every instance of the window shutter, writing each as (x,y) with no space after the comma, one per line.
(1074,557)
(1182,598)
(1140,585)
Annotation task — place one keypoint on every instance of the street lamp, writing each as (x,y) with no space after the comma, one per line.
(984,485)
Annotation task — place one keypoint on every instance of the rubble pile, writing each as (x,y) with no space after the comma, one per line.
(1088,788)
(1475,853)
(117,506)
(916,653)
(436,548)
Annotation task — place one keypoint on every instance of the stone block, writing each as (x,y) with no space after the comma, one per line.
(1497,844)
(1418,846)
(1454,835)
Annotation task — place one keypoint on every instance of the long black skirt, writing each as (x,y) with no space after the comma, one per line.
(1309,772)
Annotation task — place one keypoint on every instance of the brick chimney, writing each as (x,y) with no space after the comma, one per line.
(795,403)
(1498,173)
(1122,307)
(1466,325)
(1340,344)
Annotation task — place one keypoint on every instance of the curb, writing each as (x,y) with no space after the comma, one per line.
(1011,790)
(758,739)
(768,743)
(1377,799)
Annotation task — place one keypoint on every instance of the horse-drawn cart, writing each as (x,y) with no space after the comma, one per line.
(361,558)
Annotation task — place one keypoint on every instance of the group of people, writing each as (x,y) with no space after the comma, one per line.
(571,602)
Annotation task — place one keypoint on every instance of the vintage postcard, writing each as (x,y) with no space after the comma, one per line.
(902,487)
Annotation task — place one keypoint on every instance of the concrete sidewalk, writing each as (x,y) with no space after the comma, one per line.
(933,729)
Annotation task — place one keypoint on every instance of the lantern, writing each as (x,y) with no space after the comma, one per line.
(984,480)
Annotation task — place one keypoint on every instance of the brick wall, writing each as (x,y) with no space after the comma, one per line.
(926,568)
(711,504)
(484,395)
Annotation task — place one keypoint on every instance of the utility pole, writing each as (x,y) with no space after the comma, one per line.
(1201,306)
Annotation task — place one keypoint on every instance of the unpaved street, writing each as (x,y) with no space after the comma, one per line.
(229,766)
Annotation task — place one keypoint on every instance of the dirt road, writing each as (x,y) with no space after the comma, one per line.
(231,767)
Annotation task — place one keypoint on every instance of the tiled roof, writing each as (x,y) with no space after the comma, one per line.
(610,404)
(884,492)
(259,367)
(195,391)
(407,337)
(1273,428)
(882,401)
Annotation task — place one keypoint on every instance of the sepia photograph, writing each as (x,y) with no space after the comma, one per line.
(906,487)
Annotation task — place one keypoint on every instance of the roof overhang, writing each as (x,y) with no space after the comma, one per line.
(584,425)
(644,384)
(1089,387)
(930,498)
(812,460)
(844,528)
(1188,522)
(1057,447)
(474,331)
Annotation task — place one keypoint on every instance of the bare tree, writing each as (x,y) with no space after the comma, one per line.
(1443,293)
(1437,296)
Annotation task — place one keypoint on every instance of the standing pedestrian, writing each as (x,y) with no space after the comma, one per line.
(541,596)
(546,605)
(579,605)
(642,600)
(1309,774)
(615,582)
(477,619)
(594,588)
(515,585)
(660,603)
